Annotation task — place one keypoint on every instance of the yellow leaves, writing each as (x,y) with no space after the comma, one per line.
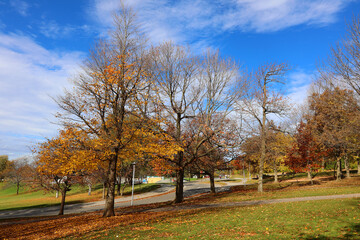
(64,154)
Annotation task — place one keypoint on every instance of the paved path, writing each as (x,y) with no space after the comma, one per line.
(163,194)
(155,196)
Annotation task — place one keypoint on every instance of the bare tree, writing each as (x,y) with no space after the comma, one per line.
(212,132)
(264,99)
(174,71)
(342,67)
(192,91)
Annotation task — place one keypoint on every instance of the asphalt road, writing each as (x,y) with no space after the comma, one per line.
(162,194)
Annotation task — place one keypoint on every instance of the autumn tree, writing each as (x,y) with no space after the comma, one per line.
(265,100)
(217,151)
(62,160)
(250,154)
(342,67)
(105,94)
(278,144)
(19,171)
(333,118)
(4,161)
(306,153)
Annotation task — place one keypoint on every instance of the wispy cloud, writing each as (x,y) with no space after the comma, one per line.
(275,15)
(52,29)
(298,86)
(29,75)
(20,6)
(185,20)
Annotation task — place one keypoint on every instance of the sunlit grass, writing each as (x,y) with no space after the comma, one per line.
(290,190)
(326,219)
(320,219)
(39,198)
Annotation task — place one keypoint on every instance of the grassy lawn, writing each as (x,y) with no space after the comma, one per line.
(38,198)
(321,219)
(327,219)
(290,190)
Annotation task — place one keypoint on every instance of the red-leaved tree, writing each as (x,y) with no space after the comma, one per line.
(306,152)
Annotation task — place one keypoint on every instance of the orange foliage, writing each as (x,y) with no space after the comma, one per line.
(65,154)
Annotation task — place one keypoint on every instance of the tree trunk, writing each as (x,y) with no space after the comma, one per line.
(275,173)
(338,169)
(244,176)
(89,192)
(347,168)
(62,206)
(263,139)
(310,176)
(262,161)
(119,186)
(123,188)
(212,182)
(57,194)
(17,188)
(358,166)
(249,172)
(323,165)
(104,188)
(109,210)
(179,197)
(308,166)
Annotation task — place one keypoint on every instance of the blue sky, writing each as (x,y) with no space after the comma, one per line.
(42,43)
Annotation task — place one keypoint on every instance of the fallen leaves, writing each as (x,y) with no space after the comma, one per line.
(70,225)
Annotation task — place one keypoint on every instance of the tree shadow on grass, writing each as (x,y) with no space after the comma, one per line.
(320,237)
(42,205)
(352,232)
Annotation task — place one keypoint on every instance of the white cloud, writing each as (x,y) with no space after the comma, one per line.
(298,86)
(186,20)
(29,75)
(20,6)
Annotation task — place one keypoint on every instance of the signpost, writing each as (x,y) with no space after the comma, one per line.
(133,179)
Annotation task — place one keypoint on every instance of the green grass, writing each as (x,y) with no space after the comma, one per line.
(327,219)
(191,179)
(291,190)
(28,198)
(321,219)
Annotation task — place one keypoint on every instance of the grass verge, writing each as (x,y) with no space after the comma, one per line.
(323,219)
(287,189)
(28,198)
(327,219)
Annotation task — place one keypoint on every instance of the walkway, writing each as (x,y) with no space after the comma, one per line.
(163,194)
